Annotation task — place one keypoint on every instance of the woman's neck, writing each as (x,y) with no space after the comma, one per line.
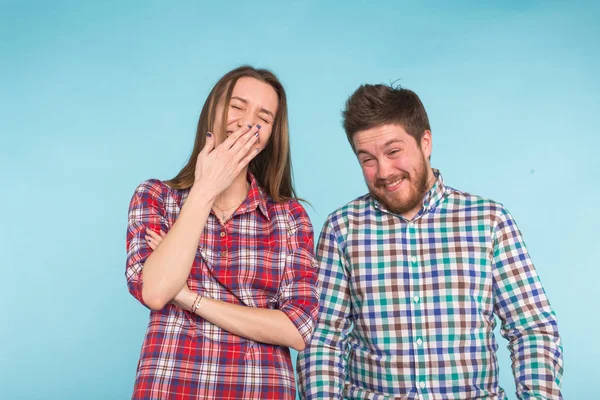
(235,194)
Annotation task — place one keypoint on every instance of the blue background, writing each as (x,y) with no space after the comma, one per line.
(95,97)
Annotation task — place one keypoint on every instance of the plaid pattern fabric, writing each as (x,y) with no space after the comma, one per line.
(262,257)
(407,307)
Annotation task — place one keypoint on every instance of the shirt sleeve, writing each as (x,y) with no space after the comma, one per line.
(528,321)
(298,295)
(321,366)
(146,210)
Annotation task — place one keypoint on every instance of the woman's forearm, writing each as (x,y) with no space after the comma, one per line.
(258,324)
(168,267)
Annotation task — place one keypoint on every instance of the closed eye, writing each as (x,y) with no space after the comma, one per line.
(365,160)
(264,117)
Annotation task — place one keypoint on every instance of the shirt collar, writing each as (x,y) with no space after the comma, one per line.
(435,195)
(256,198)
(432,198)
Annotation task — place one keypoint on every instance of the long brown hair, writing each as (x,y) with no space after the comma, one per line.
(272,168)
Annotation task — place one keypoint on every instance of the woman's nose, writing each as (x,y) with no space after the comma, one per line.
(247,118)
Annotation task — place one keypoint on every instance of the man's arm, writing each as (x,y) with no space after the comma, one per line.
(321,366)
(528,322)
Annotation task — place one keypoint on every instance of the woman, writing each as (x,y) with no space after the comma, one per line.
(222,254)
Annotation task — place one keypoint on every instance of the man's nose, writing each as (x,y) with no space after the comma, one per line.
(385,169)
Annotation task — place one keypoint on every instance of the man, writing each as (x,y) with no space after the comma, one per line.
(413,274)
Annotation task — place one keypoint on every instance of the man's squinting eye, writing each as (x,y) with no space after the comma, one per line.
(366,160)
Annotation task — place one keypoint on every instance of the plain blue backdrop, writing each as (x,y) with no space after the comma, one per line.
(95,97)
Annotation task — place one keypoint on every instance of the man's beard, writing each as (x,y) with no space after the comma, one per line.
(406,199)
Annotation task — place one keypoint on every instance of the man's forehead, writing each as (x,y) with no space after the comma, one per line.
(380,136)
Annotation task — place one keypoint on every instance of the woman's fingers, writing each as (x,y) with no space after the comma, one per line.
(250,149)
(242,146)
(155,236)
(209,145)
(233,138)
(249,157)
(151,243)
(153,239)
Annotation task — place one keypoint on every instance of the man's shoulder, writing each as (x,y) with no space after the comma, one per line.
(357,207)
(466,200)
(348,217)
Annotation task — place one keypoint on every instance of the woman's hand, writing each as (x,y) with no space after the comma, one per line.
(217,167)
(153,239)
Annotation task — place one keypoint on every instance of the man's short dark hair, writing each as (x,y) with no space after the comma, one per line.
(375,105)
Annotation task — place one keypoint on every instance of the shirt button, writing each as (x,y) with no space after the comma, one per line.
(419,341)
(414,259)
(422,385)
(222,234)
(223,254)
(416,299)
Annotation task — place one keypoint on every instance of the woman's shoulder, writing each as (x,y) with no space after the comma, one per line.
(151,186)
(157,189)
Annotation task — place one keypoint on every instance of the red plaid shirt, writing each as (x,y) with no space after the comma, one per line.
(262,257)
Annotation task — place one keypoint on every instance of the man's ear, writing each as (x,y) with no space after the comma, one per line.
(426,144)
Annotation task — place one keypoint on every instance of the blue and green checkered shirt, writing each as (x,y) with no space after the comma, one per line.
(407,307)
